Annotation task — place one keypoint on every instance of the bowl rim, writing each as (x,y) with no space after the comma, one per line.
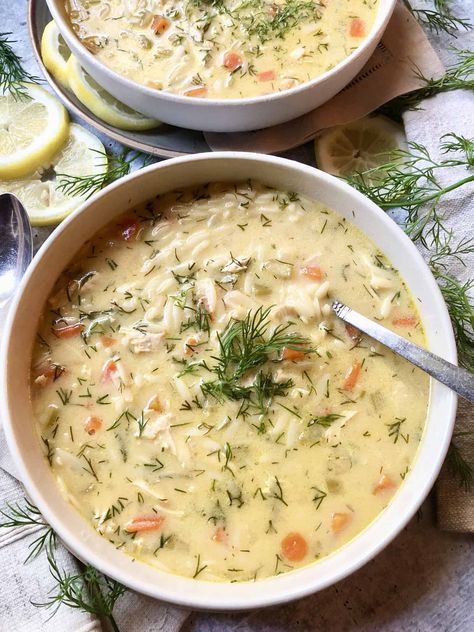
(386,8)
(282,588)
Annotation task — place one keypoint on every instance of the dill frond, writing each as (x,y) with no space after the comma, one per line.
(440,18)
(459,467)
(89,591)
(324,420)
(115,167)
(12,73)
(246,345)
(409,180)
(29,515)
(458,76)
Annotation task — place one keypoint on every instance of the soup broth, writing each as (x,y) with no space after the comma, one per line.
(200,404)
(222,48)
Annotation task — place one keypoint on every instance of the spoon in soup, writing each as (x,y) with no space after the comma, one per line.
(457,379)
(16,248)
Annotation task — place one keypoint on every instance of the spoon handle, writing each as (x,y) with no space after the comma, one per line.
(458,379)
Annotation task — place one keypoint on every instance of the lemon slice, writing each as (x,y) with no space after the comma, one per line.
(358,146)
(103,104)
(55,53)
(82,155)
(32,129)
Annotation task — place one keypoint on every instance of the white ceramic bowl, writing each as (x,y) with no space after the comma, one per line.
(82,540)
(225,115)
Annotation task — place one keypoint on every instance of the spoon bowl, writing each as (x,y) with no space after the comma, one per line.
(16,246)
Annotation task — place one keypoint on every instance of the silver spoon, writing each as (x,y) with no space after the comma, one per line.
(16,248)
(459,380)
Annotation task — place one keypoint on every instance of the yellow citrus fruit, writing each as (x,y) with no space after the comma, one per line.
(358,146)
(55,53)
(103,104)
(32,130)
(82,155)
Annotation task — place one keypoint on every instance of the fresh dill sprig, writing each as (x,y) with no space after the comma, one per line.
(201,320)
(440,18)
(115,167)
(246,345)
(265,26)
(458,76)
(29,515)
(324,420)
(12,73)
(409,179)
(89,591)
(458,297)
(255,18)
(459,467)
(395,429)
(265,388)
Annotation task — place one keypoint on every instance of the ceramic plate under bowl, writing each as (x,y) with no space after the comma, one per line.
(165,141)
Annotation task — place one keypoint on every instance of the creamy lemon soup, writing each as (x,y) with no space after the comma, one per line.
(222,48)
(198,402)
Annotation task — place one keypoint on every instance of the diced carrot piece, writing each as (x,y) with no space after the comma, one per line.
(92,424)
(405,321)
(292,354)
(110,371)
(352,376)
(155,404)
(145,523)
(48,372)
(107,341)
(294,547)
(220,535)
(232,60)
(68,331)
(352,332)
(384,484)
(159,24)
(339,521)
(156,85)
(129,229)
(196,92)
(189,345)
(357,28)
(312,272)
(266,75)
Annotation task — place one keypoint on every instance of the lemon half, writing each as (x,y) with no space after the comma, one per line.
(55,53)
(32,130)
(363,144)
(82,155)
(103,104)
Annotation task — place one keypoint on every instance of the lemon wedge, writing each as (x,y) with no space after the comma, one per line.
(103,104)
(32,130)
(82,155)
(358,146)
(55,53)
